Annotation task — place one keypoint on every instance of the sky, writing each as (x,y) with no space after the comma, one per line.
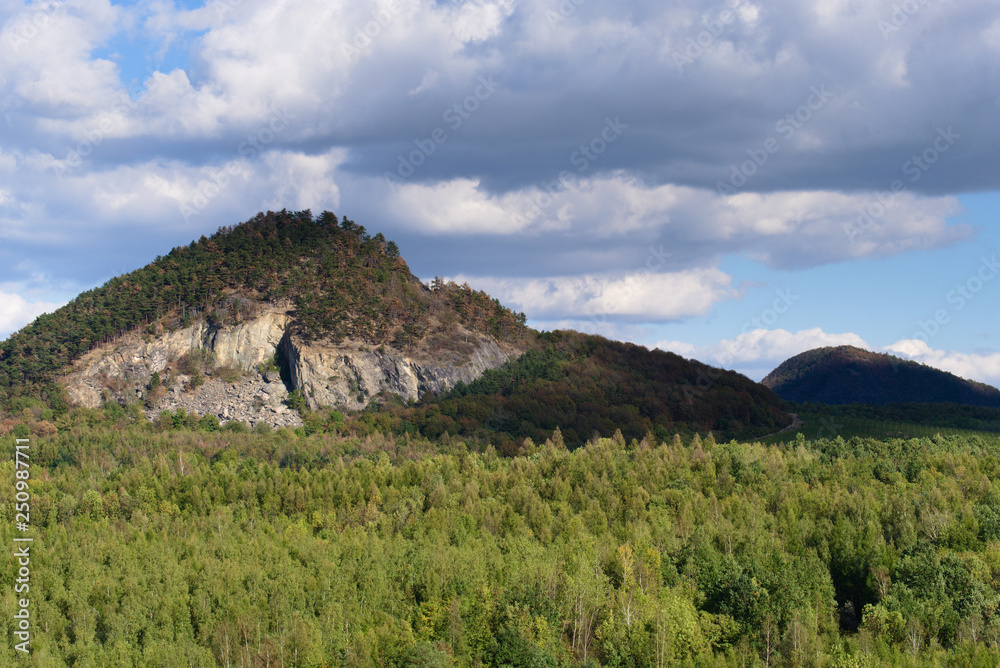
(733,181)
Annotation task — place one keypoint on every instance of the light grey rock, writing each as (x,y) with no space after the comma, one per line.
(345,375)
(132,362)
(349,375)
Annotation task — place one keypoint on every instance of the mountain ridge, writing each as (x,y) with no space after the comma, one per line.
(847,374)
(336,313)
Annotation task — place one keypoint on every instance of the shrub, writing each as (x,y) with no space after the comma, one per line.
(229,373)
(236,427)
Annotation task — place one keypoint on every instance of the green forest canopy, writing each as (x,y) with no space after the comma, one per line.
(184,548)
(585,384)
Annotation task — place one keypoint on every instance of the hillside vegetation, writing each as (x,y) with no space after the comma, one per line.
(585,385)
(848,375)
(338,280)
(183,548)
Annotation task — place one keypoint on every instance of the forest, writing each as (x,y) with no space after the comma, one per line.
(589,503)
(186,544)
(586,384)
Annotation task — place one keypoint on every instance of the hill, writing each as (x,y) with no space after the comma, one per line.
(585,385)
(332,280)
(847,375)
(285,315)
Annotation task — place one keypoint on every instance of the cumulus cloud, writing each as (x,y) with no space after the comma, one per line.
(757,352)
(15,311)
(982,367)
(608,131)
(701,91)
(782,229)
(648,296)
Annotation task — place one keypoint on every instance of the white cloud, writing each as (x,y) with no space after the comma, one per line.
(757,352)
(982,367)
(458,206)
(638,296)
(45,54)
(782,229)
(157,192)
(777,345)
(16,312)
(364,80)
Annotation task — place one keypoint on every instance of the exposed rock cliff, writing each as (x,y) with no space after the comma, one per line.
(125,368)
(350,374)
(345,375)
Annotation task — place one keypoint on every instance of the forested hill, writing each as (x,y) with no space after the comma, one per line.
(847,375)
(338,280)
(584,384)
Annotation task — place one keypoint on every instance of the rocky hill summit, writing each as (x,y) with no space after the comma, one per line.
(245,372)
(328,310)
(288,312)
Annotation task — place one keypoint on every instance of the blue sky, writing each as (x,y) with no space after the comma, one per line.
(693,176)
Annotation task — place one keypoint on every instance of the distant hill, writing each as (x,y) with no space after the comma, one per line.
(846,375)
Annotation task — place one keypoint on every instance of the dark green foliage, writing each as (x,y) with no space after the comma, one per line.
(425,655)
(936,415)
(510,649)
(297,402)
(584,384)
(847,375)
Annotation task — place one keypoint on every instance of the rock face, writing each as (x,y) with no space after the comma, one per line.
(350,375)
(346,376)
(130,365)
(255,399)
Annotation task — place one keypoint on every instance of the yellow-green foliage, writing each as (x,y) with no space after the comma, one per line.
(194,548)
